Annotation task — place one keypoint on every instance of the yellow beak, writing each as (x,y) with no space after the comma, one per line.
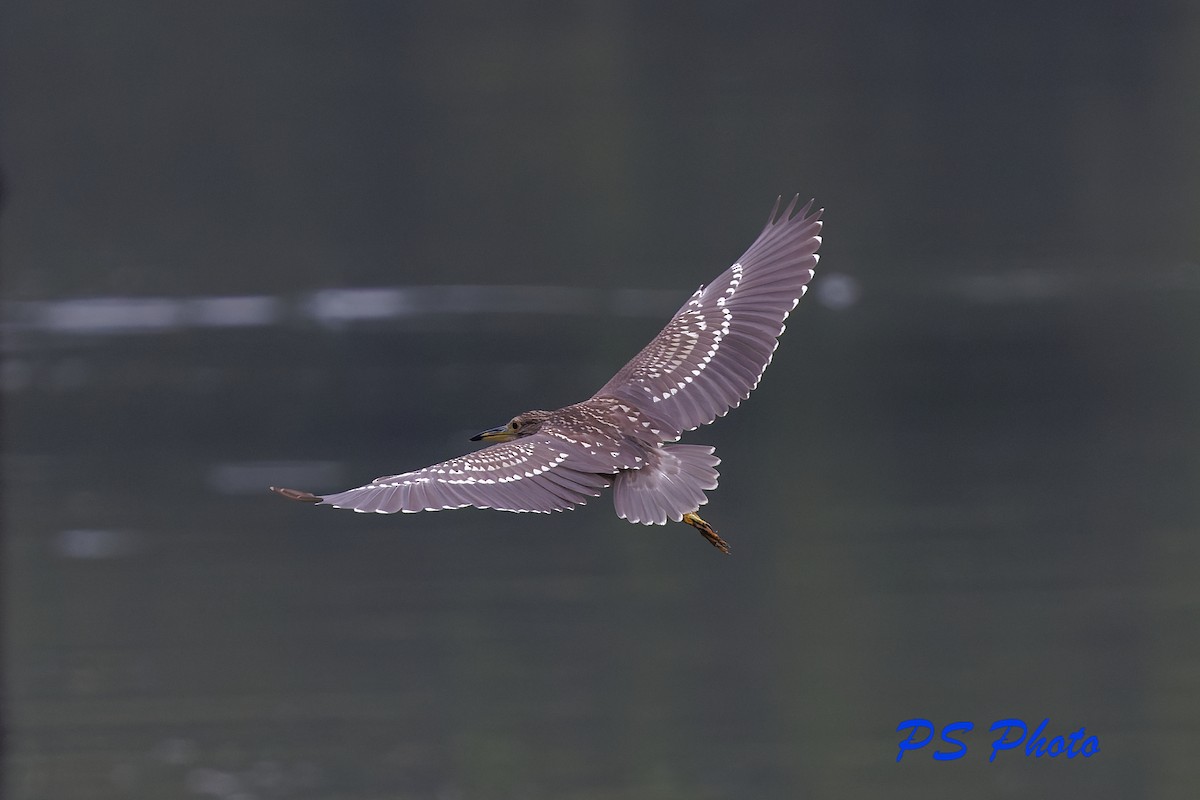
(500,434)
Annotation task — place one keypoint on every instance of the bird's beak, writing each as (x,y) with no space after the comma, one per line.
(500,434)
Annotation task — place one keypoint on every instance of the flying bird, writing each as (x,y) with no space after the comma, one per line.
(706,361)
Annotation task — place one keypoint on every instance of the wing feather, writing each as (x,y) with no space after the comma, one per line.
(713,352)
(535,473)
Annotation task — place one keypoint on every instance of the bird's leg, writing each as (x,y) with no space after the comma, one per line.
(706,531)
(296,494)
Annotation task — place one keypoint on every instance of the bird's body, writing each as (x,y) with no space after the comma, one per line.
(708,358)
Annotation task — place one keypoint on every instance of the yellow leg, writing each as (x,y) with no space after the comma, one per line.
(706,531)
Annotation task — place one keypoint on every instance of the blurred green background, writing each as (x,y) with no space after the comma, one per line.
(309,243)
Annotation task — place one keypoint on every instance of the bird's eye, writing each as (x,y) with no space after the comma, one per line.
(514,424)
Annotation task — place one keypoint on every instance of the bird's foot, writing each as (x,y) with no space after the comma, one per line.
(706,531)
(296,494)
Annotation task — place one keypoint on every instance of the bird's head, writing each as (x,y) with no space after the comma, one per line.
(525,424)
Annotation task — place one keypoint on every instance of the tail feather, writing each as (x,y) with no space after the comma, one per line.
(671,484)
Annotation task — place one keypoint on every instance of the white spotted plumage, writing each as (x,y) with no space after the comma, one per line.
(723,337)
(710,356)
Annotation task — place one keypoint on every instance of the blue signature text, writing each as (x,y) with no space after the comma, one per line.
(1012,733)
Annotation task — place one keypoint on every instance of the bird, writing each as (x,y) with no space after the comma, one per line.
(708,359)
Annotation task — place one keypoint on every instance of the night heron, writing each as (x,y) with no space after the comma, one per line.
(707,360)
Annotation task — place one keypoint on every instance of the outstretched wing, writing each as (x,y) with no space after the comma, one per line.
(535,473)
(713,352)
